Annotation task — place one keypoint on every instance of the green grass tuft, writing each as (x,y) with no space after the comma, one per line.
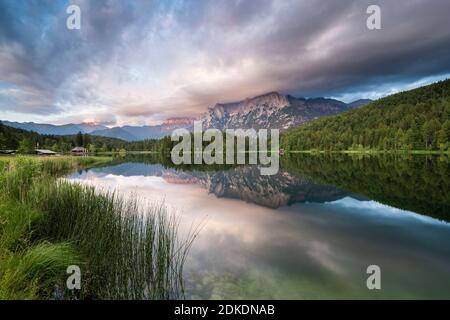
(33,273)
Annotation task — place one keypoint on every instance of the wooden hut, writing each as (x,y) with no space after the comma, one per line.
(79,151)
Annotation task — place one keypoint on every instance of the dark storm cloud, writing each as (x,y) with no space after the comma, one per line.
(141,61)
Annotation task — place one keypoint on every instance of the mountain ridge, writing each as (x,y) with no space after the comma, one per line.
(270,110)
(52,129)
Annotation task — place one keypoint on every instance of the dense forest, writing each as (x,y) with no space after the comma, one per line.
(26,141)
(413,120)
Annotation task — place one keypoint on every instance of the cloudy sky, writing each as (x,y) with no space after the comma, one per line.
(139,62)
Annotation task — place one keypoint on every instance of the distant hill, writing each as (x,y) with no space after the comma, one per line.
(119,133)
(139,133)
(359,103)
(59,130)
(418,119)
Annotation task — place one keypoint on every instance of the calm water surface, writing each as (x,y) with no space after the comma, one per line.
(308,232)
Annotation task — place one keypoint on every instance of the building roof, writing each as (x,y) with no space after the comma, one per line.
(45,151)
(7,151)
(79,149)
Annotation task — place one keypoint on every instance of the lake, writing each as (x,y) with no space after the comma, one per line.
(308,232)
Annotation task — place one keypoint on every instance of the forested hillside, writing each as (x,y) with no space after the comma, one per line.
(26,141)
(413,120)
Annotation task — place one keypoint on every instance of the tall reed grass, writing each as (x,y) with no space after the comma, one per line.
(126,251)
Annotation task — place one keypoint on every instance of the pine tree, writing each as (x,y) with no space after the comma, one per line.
(442,139)
(429,130)
(2,141)
(79,141)
(86,140)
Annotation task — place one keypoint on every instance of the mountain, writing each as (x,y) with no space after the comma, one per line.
(59,130)
(272,110)
(137,133)
(418,119)
(268,111)
(131,133)
(177,123)
(116,132)
(359,103)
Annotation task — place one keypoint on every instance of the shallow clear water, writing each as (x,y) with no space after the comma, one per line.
(290,236)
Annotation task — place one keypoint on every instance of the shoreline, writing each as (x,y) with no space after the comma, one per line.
(374,152)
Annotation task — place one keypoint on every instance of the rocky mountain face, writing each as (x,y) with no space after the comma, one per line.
(271,111)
